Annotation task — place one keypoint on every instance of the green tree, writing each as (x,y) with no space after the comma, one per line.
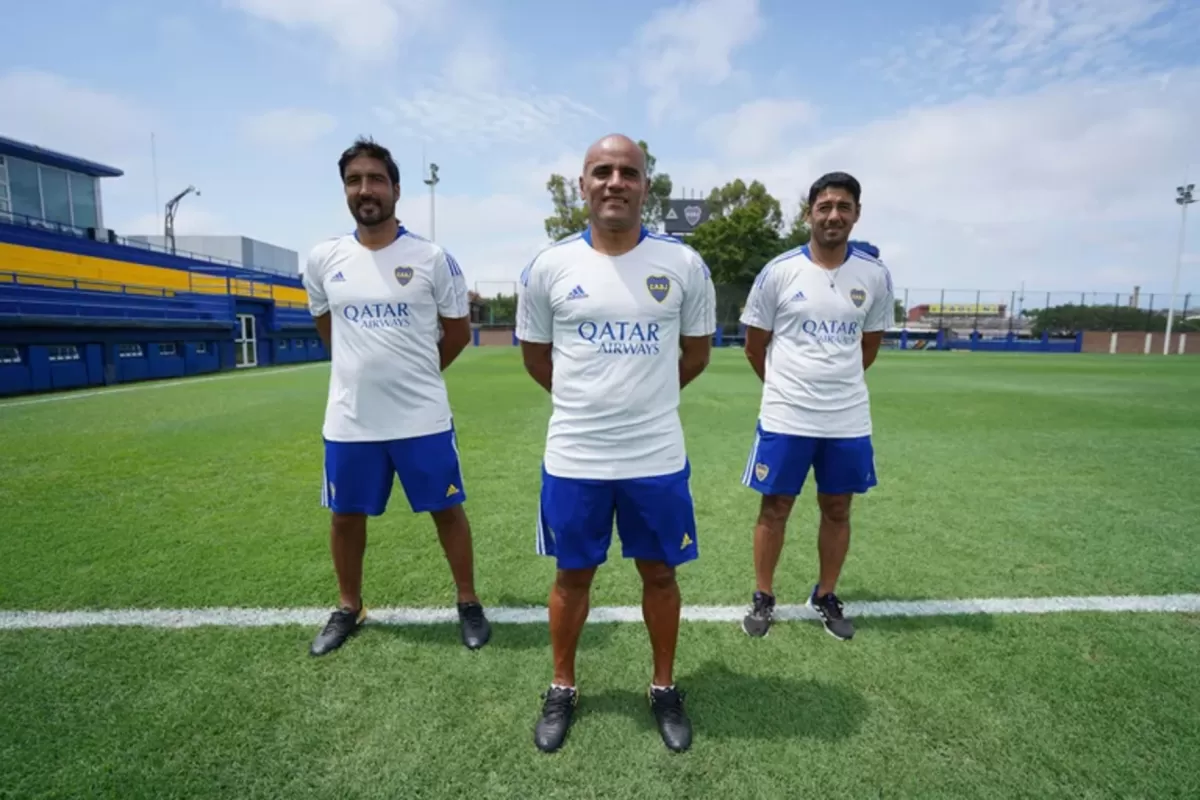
(744,231)
(900,312)
(658,197)
(570,214)
(799,233)
(570,211)
(736,194)
(501,309)
(737,245)
(1069,318)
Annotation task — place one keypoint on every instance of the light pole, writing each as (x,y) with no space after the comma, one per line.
(431,182)
(169,224)
(1184,199)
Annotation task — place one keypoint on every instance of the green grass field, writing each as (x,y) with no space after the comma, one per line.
(1000,476)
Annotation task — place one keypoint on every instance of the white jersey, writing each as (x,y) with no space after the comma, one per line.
(615,323)
(814,383)
(386,379)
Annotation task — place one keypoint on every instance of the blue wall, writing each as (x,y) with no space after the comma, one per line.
(67,338)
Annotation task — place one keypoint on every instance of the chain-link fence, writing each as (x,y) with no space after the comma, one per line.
(950,315)
(1024,312)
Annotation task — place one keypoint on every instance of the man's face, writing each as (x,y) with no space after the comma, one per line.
(370,193)
(614,185)
(832,217)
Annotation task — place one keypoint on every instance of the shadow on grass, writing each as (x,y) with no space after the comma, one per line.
(724,704)
(505,636)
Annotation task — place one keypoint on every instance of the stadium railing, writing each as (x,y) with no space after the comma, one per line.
(29,297)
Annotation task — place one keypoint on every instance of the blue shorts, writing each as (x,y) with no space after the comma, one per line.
(359,475)
(779,464)
(655,519)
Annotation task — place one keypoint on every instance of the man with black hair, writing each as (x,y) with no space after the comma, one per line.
(392,311)
(815,318)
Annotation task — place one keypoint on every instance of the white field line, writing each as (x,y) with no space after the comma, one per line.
(160,384)
(268,617)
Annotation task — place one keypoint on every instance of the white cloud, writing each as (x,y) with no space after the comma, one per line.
(192,219)
(476,62)
(757,127)
(362,31)
(477,118)
(288,127)
(691,44)
(46,109)
(1069,187)
(1026,43)
(492,237)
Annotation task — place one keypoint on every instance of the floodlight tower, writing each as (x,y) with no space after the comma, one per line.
(1184,199)
(431,182)
(169,224)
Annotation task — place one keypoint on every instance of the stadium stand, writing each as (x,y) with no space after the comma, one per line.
(81,306)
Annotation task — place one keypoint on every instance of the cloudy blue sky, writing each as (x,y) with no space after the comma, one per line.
(998,141)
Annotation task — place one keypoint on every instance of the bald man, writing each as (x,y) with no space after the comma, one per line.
(614,321)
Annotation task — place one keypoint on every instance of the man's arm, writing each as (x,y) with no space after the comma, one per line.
(318,301)
(535,325)
(456,335)
(538,363)
(697,321)
(325,331)
(759,318)
(453,307)
(757,340)
(693,357)
(881,317)
(871,340)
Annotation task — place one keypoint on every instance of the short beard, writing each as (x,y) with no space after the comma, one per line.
(383,216)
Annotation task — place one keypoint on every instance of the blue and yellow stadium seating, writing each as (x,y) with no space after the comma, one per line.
(80,311)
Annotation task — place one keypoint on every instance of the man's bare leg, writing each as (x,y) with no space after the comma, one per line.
(833,539)
(347,544)
(833,542)
(660,610)
(570,599)
(454,532)
(769,531)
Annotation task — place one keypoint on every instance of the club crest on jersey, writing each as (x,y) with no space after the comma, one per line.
(404,275)
(858,297)
(761,471)
(659,286)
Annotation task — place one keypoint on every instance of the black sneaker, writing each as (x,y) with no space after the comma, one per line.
(559,707)
(673,723)
(476,630)
(829,608)
(762,614)
(342,624)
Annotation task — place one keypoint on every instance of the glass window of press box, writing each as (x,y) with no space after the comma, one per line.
(49,193)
